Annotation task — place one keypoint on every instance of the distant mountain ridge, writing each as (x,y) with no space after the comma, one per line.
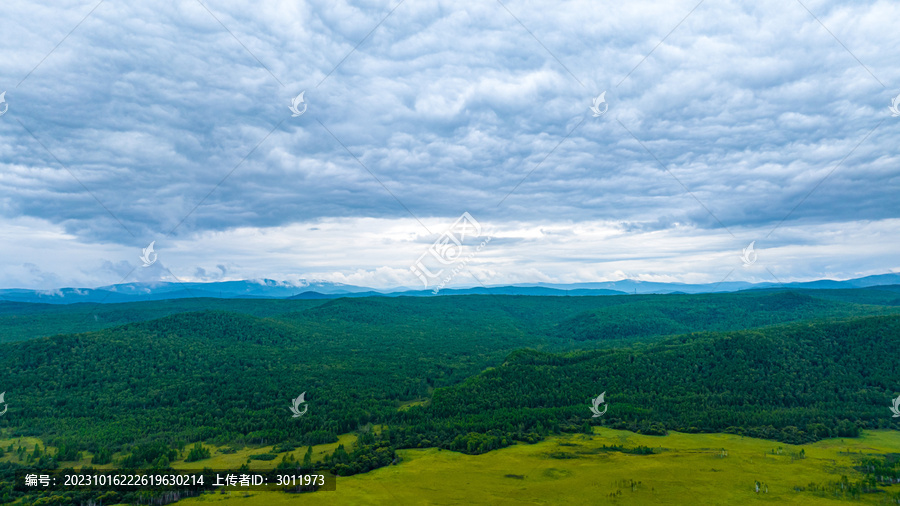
(319,289)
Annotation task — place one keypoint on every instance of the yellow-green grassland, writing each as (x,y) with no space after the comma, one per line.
(576,469)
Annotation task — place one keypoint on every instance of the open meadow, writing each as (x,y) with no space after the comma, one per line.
(576,469)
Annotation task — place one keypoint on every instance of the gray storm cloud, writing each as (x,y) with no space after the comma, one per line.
(149,123)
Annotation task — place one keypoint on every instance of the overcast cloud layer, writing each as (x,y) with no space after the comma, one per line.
(131,122)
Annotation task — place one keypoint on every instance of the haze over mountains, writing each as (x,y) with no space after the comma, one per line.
(317,289)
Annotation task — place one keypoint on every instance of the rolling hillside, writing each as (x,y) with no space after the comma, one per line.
(471,373)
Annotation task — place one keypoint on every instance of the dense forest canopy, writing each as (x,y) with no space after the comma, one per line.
(486,371)
(21,321)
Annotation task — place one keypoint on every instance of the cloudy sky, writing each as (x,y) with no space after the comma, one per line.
(723,122)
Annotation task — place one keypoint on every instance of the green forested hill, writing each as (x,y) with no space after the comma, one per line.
(228,375)
(664,315)
(886,295)
(536,315)
(231,376)
(20,321)
(796,383)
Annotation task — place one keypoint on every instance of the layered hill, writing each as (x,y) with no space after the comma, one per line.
(694,313)
(796,383)
(230,375)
